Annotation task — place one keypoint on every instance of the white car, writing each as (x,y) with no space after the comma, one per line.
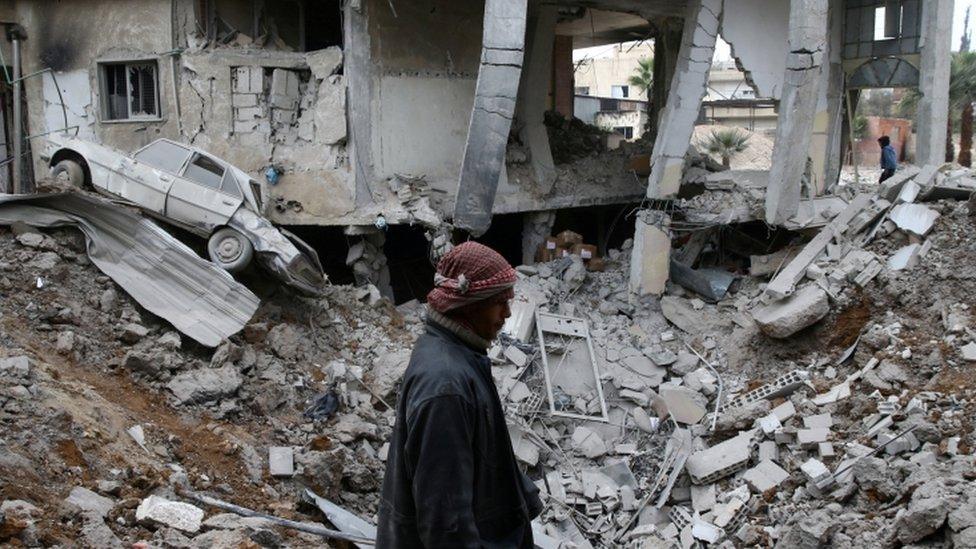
(195,190)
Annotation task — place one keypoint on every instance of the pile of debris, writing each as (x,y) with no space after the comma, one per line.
(572,139)
(653,427)
(820,393)
(108,413)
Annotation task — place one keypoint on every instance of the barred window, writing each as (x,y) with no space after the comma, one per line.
(130,91)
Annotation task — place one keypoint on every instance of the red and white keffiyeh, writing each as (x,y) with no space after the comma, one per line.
(469,273)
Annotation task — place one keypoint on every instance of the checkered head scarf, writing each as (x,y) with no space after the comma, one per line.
(469,273)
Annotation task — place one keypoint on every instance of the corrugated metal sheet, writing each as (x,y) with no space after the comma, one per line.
(161,273)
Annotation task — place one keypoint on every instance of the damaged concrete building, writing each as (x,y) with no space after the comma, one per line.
(348,119)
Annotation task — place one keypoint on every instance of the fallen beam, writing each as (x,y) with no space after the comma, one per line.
(783,284)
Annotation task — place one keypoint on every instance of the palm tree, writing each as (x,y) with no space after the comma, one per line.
(643,79)
(726,143)
(643,75)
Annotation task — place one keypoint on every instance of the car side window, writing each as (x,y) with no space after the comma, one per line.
(229,185)
(163,155)
(205,171)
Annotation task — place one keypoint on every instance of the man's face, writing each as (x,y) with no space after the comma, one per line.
(487,317)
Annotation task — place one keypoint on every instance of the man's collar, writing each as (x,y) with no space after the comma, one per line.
(464,334)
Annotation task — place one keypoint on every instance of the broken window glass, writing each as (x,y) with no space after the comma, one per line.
(130,90)
(163,155)
(205,171)
(142,80)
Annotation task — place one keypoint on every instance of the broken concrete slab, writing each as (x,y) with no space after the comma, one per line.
(90,502)
(783,318)
(783,284)
(588,442)
(684,405)
(824,421)
(205,384)
(891,187)
(766,475)
(914,218)
(905,257)
(172,514)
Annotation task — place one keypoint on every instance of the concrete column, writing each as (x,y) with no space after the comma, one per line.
(933,106)
(667,43)
(651,256)
(684,98)
(536,226)
(533,97)
(827,125)
(649,259)
(357,73)
(491,116)
(797,108)
(563,87)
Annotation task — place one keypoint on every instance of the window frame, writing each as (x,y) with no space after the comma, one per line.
(104,95)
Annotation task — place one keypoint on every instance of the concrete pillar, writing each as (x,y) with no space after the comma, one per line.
(651,256)
(533,97)
(536,226)
(933,106)
(495,94)
(357,70)
(825,144)
(684,98)
(797,108)
(563,81)
(649,259)
(667,43)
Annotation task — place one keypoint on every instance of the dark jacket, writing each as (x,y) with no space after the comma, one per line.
(451,476)
(889,159)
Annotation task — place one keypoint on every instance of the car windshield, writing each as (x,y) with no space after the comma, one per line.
(205,171)
(163,155)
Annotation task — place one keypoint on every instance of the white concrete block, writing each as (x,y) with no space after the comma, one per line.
(785,317)
(281,461)
(516,356)
(812,436)
(766,475)
(818,421)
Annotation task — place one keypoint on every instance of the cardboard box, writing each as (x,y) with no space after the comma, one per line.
(543,254)
(585,251)
(567,239)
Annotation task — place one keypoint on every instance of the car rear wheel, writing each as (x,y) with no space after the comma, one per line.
(230,250)
(70,172)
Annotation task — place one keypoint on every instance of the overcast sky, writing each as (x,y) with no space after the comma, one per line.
(722,49)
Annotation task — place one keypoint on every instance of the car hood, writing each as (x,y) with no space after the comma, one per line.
(293,261)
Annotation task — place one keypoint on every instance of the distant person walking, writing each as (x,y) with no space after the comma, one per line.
(889,159)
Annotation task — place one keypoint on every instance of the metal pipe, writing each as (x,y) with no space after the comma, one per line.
(18,114)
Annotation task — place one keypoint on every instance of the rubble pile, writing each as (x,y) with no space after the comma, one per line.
(572,139)
(820,393)
(830,410)
(107,412)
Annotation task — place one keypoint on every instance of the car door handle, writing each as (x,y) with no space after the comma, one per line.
(165,178)
(227,202)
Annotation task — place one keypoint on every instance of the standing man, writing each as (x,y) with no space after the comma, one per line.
(889,160)
(451,476)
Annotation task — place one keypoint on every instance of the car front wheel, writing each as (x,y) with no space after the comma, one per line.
(70,172)
(230,250)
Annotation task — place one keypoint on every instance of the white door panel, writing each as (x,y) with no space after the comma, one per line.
(196,197)
(141,184)
(199,206)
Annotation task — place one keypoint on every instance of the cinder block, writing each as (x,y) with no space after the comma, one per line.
(244,99)
(818,421)
(281,461)
(765,475)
